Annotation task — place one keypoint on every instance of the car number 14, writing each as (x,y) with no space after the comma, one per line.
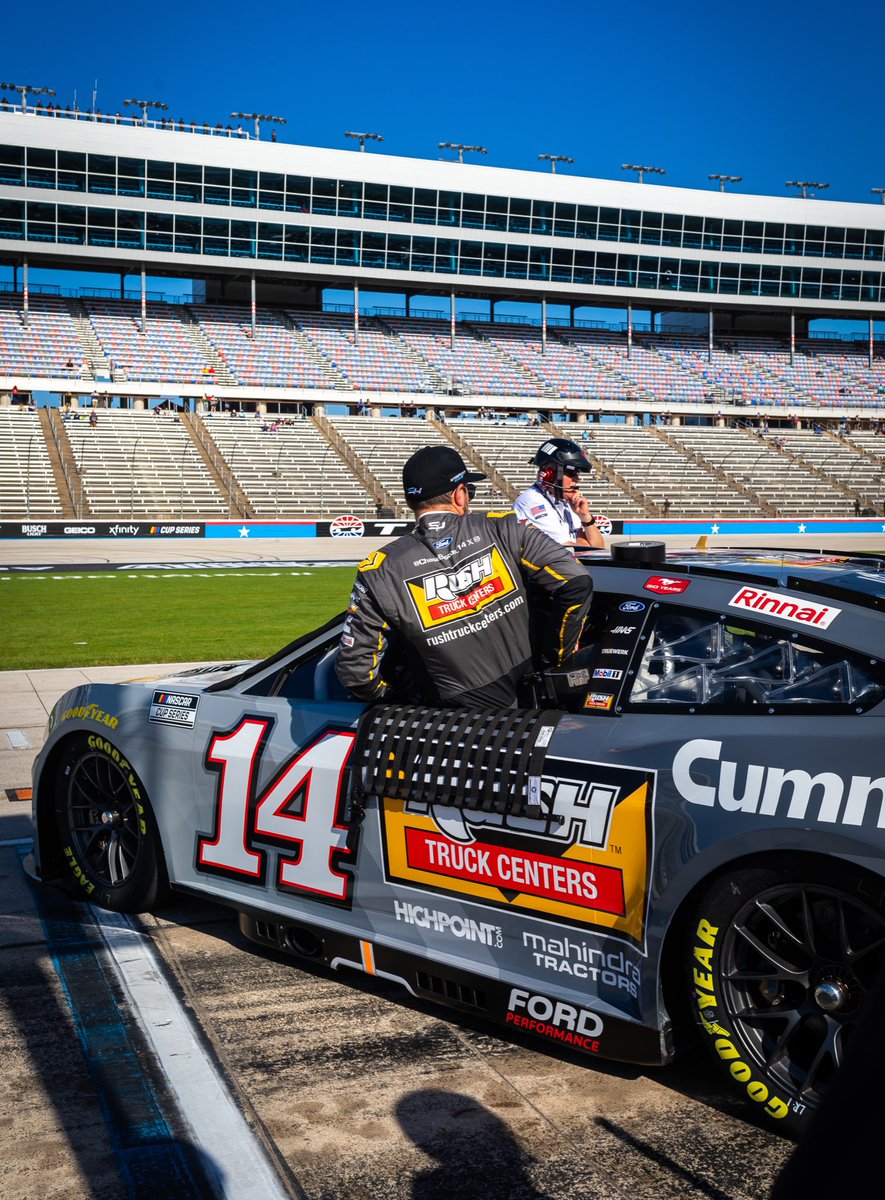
(299,812)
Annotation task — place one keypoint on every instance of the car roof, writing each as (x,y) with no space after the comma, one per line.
(858,578)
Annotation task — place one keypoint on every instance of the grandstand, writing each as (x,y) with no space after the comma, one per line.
(721,402)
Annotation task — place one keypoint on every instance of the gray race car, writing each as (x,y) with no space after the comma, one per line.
(686,827)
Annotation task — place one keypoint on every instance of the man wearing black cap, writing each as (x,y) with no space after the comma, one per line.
(451,597)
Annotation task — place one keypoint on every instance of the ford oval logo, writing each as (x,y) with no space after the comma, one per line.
(631,606)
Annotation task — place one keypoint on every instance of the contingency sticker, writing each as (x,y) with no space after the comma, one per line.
(174,708)
(584,861)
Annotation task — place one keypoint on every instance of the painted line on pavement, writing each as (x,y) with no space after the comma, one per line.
(219,1127)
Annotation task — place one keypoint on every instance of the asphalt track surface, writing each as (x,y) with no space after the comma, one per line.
(344,1086)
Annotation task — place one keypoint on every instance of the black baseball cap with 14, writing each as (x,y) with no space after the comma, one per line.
(435,470)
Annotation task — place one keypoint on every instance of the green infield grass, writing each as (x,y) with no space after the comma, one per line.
(87,619)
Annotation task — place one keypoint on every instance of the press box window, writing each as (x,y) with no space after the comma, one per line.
(700,662)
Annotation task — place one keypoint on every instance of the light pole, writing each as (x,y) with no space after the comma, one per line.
(805,184)
(724,179)
(135,446)
(184,450)
(28,477)
(276,473)
(364,137)
(553,159)
(642,170)
(25,90)
(230,481)
(462,149)
(258,118)
(879,192)
(144,105)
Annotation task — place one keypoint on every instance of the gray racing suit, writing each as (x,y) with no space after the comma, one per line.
(454,593)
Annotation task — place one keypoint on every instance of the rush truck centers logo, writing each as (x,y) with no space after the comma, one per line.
(584,862)
(446,596)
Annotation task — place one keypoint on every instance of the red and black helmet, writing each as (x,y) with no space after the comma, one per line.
(556,458)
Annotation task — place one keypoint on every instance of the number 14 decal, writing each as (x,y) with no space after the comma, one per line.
(299,812)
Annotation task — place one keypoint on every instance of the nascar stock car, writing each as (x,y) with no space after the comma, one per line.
(686,828)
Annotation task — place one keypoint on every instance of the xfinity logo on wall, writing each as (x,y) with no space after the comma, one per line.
(123,530)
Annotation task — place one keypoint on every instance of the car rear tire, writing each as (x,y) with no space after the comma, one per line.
(638,552)
(780,965)
(108,837)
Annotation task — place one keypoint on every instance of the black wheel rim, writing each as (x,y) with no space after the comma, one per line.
(103,820)
(798,965)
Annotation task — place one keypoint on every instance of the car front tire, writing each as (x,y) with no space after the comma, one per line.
(781,963)
(105,824)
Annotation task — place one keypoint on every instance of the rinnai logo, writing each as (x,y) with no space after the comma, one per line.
(788,608)
(663,585)
(702,776)
(448,595)
(459,927)
(555,1019)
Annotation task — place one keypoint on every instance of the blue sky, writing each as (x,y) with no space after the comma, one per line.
(770,91)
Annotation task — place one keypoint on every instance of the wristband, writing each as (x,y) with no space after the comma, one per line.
(587,524)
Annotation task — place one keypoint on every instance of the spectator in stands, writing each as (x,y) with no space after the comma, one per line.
(554,503)
(93,418)
(273,135)
(666,506)
(412,601)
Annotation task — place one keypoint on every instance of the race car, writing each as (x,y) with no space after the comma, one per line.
(684,828)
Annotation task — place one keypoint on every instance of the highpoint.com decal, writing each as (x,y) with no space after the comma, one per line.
(584,862)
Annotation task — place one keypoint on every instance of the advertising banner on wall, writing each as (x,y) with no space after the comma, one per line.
(89,528)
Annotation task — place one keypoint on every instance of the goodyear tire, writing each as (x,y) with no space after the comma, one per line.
(106,827)
(780,965)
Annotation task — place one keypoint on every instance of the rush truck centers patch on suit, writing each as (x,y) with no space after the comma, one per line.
(442,596)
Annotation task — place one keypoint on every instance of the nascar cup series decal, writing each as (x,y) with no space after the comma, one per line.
(443,596)
(585,861)
(174,708)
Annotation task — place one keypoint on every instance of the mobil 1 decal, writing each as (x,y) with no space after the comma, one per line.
(584,862)
(292,826)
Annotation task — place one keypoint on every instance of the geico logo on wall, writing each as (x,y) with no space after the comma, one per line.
(584,862)
(443,596)
(347,526)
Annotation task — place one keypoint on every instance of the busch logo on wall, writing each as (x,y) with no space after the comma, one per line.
(585,862)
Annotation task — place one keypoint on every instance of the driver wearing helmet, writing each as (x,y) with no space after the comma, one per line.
(554,502)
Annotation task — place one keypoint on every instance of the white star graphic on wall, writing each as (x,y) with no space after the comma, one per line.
(714,528)
(244,532)
(802,528)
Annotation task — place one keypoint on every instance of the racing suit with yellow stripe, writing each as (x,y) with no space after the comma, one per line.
(454,593)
